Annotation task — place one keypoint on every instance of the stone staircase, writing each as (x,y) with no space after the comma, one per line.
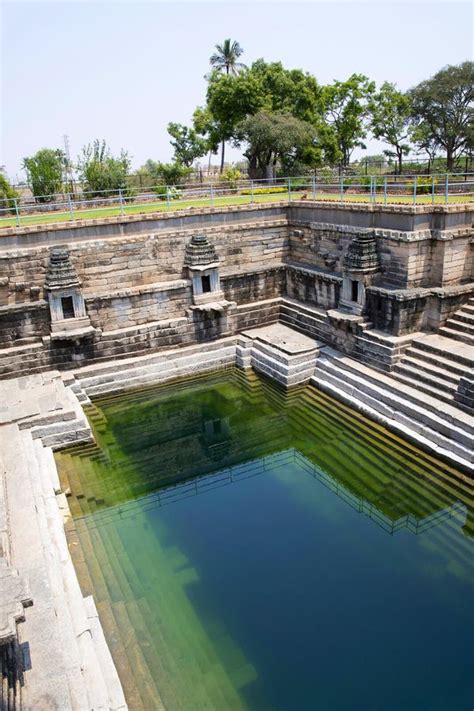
(437,364)
(102,378)
(405,408)
(62,625)
(434,365)
(461,325)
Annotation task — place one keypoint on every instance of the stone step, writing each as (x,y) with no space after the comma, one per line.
(446,347)
(435,360)
(384,395)
(460,325)
(420,462)
(395,343)
(435,382)
(465,315)
(450,414)
(425,370)
(159,372)
(152,378)
(63,624)
(396,453)
(371,403)
(458,335)
(423,385)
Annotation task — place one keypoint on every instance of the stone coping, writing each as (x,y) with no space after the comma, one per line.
(422,292)
(398,235)
(248,207)
(182,230)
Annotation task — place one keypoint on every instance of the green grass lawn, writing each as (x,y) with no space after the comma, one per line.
(162,206)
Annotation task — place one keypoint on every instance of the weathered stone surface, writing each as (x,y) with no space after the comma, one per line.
(14,597)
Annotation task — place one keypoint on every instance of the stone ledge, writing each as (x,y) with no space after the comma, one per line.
(14,597)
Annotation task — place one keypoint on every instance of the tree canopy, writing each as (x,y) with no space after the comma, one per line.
(186,143)
(45,173)
(225,57)
(347,111)
(443,105)
(390,111)
(272,136)
(100,171)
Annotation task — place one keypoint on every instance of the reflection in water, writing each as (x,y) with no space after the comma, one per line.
(176,557)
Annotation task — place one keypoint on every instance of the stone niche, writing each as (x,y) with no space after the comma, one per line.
(202,264)
(69,319)
(361,266)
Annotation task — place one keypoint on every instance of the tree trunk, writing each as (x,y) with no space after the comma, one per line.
(400,160)
(449,160)
(222,155)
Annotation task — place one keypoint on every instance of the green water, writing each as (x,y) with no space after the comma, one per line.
(252,550)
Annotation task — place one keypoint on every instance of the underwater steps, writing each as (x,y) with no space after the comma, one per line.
(445,430)
(385,464)
(135,630)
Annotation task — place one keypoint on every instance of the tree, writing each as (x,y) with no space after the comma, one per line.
(391,112)
(288,90)
(226,56)
(8,194)
(444,105)
(268,87)
(206,125)
(425,141)
(166,173)
(273,136)
(100,171)
(187,144)
(229,100)
(45,173)
(346,111)
(225,60)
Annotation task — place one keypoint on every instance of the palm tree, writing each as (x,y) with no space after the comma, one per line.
(225,59)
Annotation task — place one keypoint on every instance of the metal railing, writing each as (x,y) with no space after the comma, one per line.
(384,190)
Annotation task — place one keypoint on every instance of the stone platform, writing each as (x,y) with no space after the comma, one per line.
(279,352)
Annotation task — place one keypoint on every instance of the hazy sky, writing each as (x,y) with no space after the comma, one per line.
(122,71)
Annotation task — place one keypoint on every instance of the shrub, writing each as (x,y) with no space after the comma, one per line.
(423,185)
(165,193)
(360,183)
(264,191)
(7,195)
(231,176)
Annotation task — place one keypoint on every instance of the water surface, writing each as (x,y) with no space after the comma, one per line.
(252,550)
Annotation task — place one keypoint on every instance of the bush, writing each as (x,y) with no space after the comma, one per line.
(423,185)
(165,193)
(264,191)
(7,195)
(360,183)
(167,173)
(102,174)
(231,176)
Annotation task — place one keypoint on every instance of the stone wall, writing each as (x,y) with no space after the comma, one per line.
(314,287)
(107,265)
(403,311)
(138,294)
